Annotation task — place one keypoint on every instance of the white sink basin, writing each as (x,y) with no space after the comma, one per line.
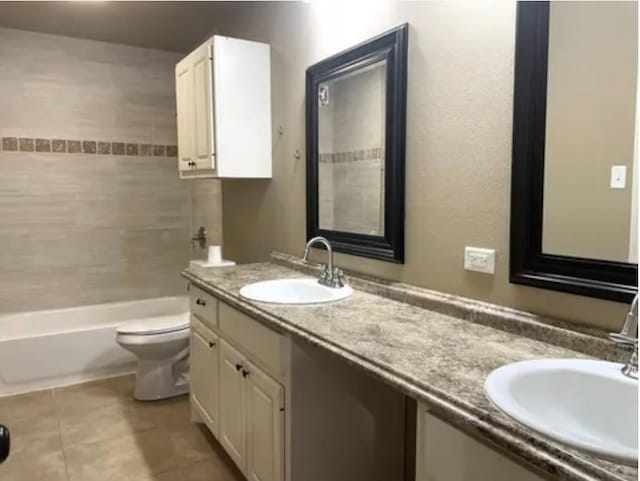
(589,405)
(294,291)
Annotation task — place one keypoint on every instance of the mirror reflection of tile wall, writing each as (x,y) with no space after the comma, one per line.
(351,147)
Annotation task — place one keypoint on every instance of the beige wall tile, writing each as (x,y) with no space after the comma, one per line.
(80,228)
(206,210)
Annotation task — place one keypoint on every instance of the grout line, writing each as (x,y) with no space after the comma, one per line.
(62,448)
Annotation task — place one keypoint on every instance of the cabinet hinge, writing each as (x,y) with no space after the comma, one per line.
(281,409)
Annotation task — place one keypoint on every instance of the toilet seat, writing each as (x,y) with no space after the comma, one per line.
(156,325)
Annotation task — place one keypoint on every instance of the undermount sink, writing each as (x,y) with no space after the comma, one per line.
(587,404)
(294,291)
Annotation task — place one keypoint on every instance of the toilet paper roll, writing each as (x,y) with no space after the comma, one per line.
(215,254)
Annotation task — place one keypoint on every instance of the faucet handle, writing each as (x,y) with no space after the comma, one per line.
(337,277)
(623,339)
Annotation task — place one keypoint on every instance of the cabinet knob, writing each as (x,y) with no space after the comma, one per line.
(238,366)
(245,373)
(200,302)
(211,343)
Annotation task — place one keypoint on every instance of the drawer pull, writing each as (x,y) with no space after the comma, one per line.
(211,343)
(245,373)
(238,366)
(200,302)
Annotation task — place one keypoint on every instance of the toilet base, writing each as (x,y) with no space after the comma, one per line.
(157,380)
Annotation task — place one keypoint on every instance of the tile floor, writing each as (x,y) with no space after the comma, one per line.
(97,432)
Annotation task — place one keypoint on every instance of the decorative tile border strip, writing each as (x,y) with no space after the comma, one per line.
(62,146)
(352,155)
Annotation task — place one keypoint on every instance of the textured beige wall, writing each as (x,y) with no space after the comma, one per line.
(78,228)
(459,120)
(591,93)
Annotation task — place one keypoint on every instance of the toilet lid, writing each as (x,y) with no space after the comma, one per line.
(156,325)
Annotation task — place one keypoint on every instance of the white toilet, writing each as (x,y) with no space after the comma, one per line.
(161,345)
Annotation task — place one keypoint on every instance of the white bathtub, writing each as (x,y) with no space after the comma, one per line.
(44,349)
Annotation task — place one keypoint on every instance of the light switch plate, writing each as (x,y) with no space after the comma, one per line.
(618,176)
(480,259)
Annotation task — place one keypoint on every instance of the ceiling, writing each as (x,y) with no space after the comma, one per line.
(175,26)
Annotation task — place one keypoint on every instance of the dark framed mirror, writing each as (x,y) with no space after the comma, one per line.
(573,214)
(355,128)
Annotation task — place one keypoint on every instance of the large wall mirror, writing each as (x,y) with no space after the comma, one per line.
(355,114)
(574,186)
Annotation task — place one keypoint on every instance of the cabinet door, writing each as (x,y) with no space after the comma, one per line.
(204,375)
(265,427)
(203,107)
(232,404)
(185,113)
(446,454)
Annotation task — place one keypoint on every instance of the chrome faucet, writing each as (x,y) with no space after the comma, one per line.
(200,237)
(628,337)
(331,276)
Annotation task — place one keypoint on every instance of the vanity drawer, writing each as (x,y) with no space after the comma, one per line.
(257,340)
(204,306)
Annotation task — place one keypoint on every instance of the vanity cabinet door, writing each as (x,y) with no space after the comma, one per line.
(445,454)
(204,375)
(265,427)
(232,426)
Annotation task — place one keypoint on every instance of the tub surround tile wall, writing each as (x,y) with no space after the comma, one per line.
(436,358)
(87,216)
(10,144)
(206,210)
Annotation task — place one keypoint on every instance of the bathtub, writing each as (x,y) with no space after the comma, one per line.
(45,349)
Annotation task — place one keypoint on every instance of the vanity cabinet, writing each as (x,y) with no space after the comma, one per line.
(223,104)
(445,454)
(238,377)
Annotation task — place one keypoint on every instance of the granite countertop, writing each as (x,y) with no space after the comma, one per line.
(436,358)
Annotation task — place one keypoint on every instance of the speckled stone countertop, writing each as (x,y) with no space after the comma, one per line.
(437,358)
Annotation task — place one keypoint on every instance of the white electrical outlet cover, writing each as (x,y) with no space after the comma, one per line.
(618,176)
(479,259)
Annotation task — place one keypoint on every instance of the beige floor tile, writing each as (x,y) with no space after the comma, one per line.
(91,395)
(127,457)
(34,436)
(20,467)
(26,406)
(193,444)
(171,414)
(175,475)
(104,422)
(211,470)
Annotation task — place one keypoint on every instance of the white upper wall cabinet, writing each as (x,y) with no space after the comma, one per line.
(223,97)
